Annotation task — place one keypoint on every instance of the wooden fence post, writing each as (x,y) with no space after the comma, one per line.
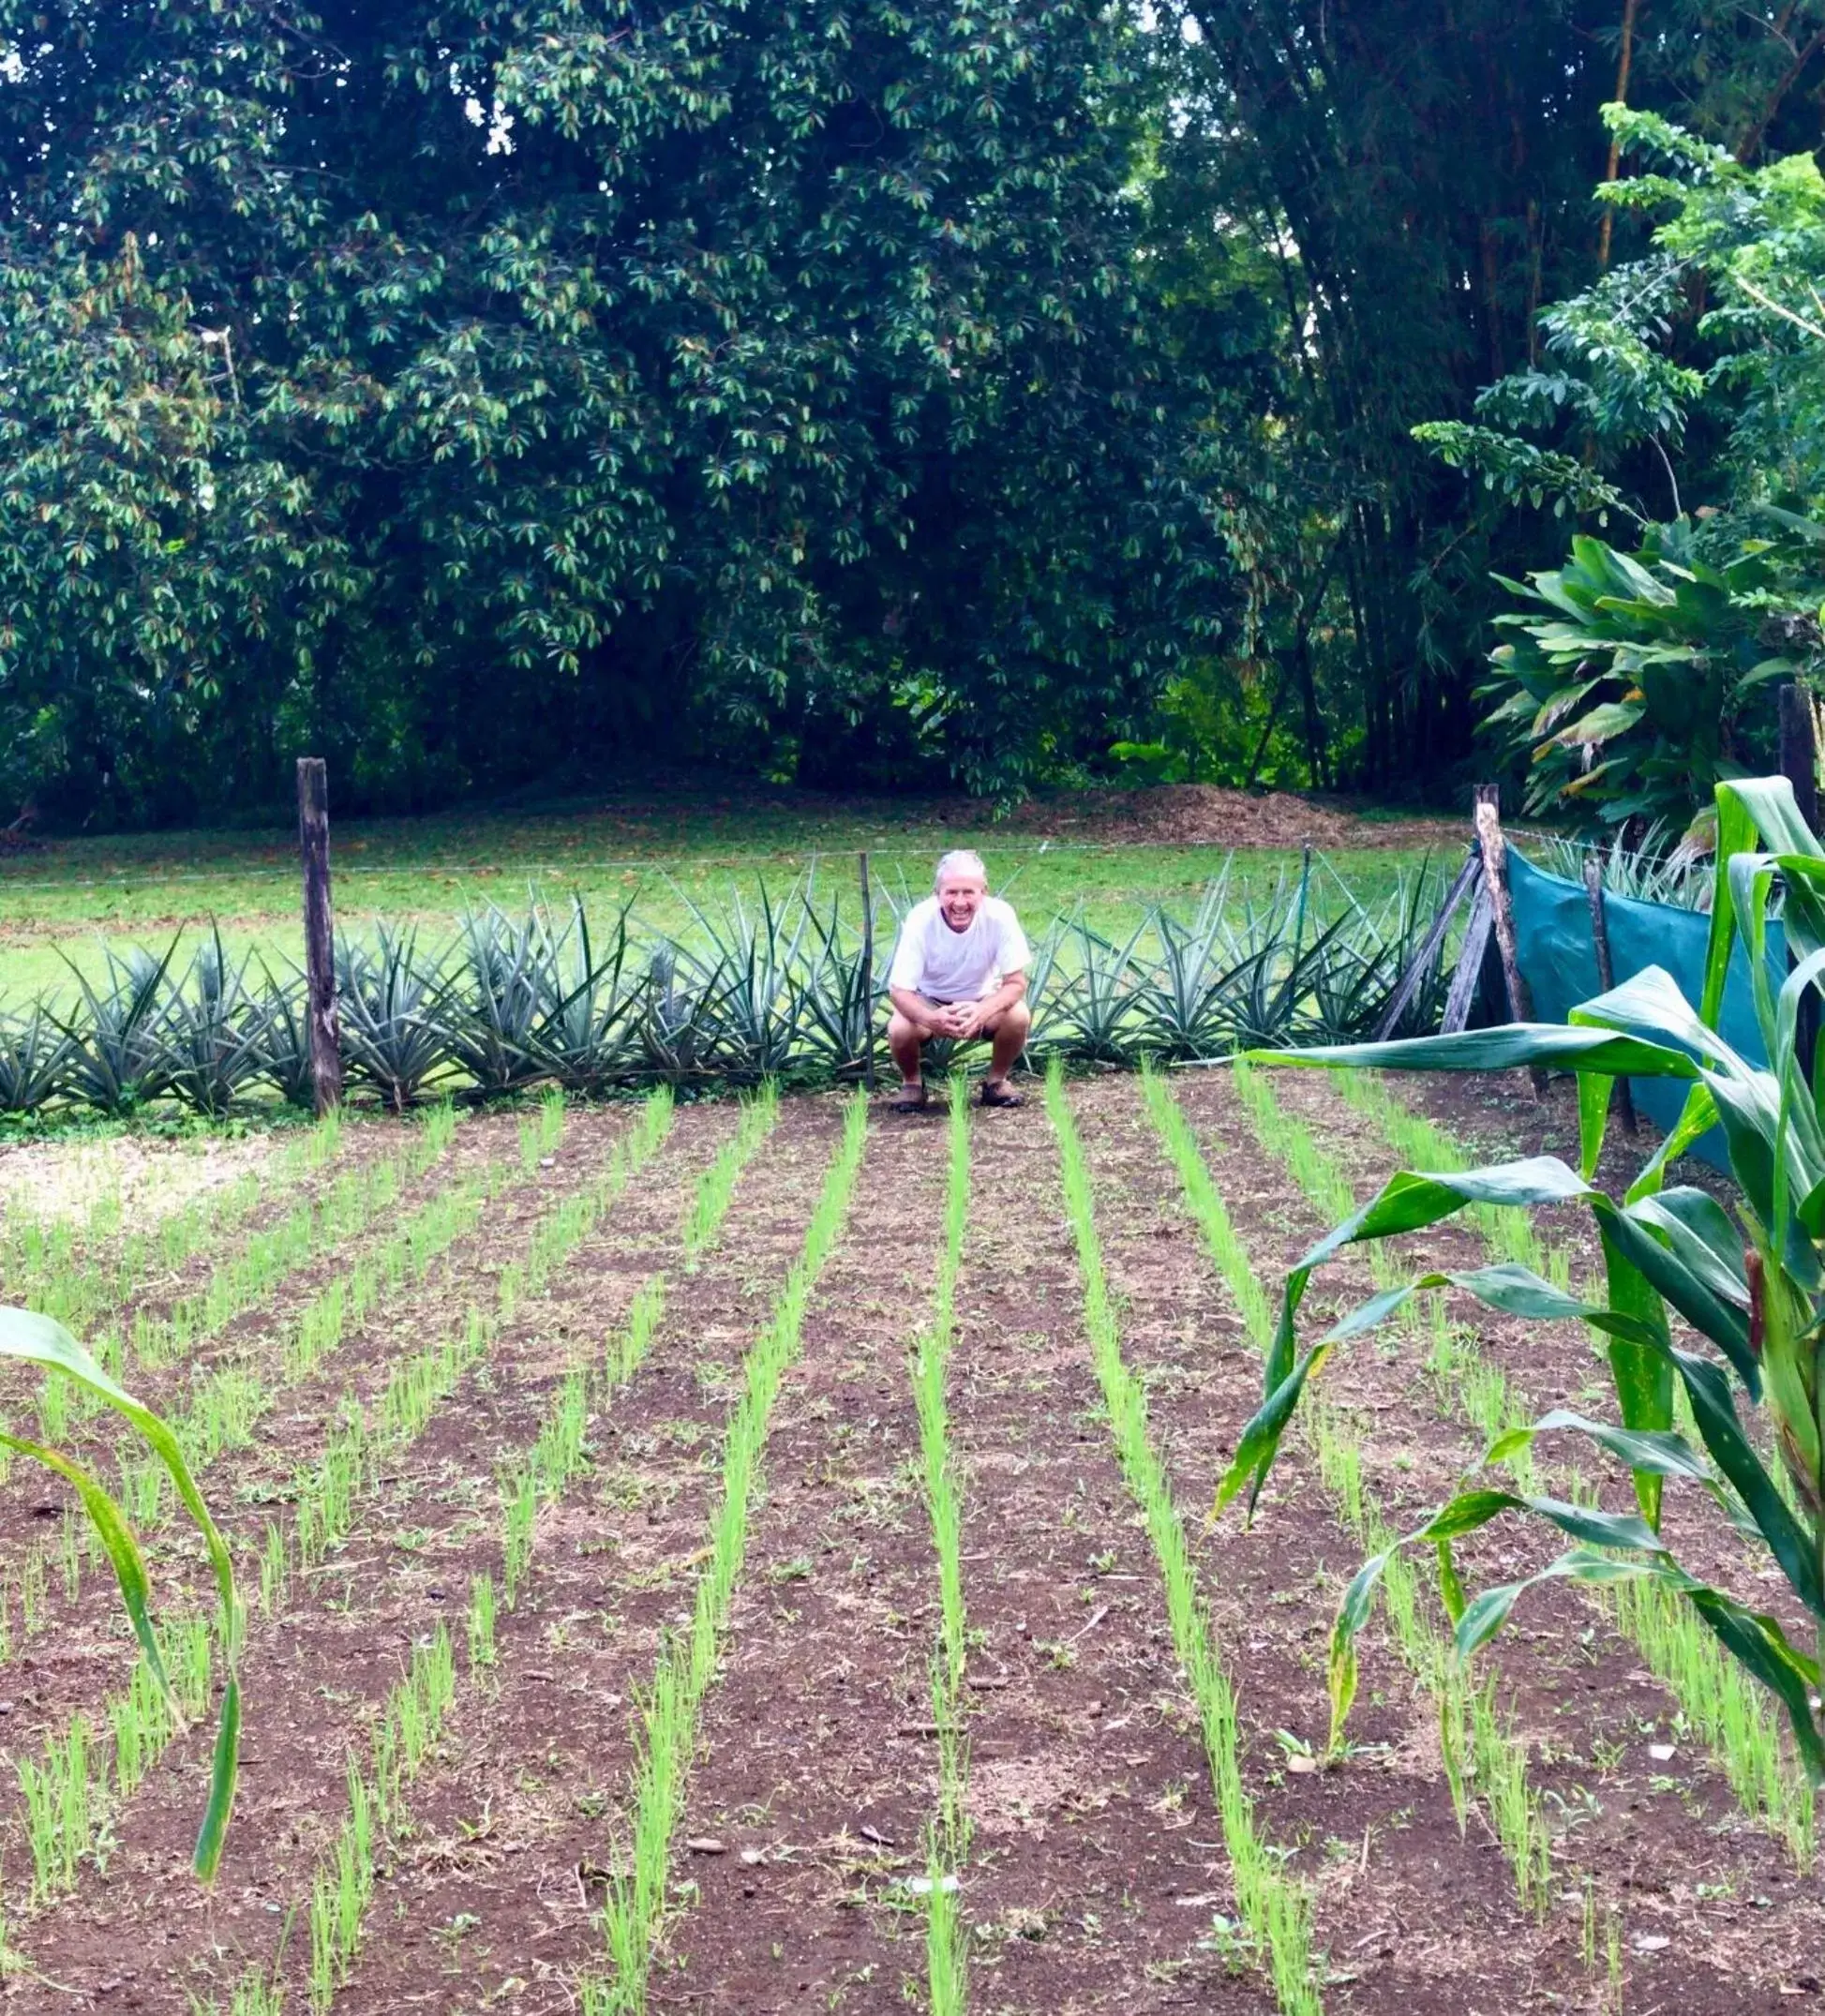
(320,934)
(1623,1099)
(867,973)
(1494,850)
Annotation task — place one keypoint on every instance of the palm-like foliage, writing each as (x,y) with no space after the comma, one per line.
(1750,1283)
(1651,867)
(394,1013)
(498,1000)
(284,1055)
(583,1041)
(836,998)
(34,1051)
(747,983)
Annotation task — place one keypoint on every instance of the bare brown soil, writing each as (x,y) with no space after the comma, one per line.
(1097,1880)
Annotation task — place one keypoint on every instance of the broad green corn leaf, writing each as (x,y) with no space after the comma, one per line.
(1714,1412)
(1408,1202)
(1477,1619)
(1489,1611)
(1555,1046)
(1665,1453)
(37,1340)
(1642,1377)
(122,1553)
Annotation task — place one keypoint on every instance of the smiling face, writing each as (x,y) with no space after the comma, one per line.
(960,896)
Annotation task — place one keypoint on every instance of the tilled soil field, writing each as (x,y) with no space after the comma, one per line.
(756,1558)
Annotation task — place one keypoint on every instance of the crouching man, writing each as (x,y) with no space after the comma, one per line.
(959,971)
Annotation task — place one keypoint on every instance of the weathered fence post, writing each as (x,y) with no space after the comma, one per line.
(1799,766)
(320,934)
(867,973)
(1494,850)
(1623,1099)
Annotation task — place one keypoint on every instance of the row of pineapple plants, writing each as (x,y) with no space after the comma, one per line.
(783,987)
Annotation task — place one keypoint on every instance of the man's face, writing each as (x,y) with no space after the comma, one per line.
(960,896)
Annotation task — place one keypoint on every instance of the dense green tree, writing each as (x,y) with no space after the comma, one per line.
(467,388)
(1420,178)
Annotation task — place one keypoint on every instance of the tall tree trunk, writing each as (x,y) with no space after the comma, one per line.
(1630,8)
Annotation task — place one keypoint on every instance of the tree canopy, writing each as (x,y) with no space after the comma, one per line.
(476,392)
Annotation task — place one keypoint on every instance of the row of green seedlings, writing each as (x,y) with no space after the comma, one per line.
(559,1453)
(226,1407)
(225,1404)
(326,1500)
(947,1844)
(314,1226)
(666,1734)
(1273,1905)
(1728,1710)
(405,1734)
(78,1272)
(1478,1741)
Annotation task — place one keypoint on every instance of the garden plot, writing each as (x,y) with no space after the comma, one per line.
(755,1557)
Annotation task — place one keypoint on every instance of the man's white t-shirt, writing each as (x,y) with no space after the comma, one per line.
(958,965)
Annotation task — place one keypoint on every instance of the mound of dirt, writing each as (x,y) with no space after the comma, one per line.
(1208,815)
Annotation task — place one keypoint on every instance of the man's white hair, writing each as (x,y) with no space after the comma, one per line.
(960,861)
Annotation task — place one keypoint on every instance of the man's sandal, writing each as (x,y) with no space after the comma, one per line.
(911,1099)
(998,1095)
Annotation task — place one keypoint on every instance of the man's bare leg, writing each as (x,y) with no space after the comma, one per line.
(906,1043)
(1007,1039)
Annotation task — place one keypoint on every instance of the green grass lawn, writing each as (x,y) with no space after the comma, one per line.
(65,900)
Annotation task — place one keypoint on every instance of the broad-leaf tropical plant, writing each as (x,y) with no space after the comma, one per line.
(38,1341)
(1748,1280)
(1629,681)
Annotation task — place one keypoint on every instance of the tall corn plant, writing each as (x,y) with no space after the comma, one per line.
(1749,1281)
(30,1340)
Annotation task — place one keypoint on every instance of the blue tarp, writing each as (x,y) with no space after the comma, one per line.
(1559,963)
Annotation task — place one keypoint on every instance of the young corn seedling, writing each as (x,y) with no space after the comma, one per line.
(326,1499)
(481,1622)
(667,1712)
(342,1889)
(1273,1905)
(353,1202)
(717,1187)
(60,1810)
(559,1453)
(404,1737)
